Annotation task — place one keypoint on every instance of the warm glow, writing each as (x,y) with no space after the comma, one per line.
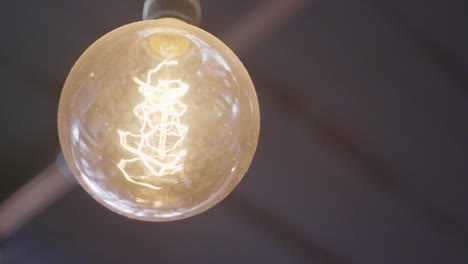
(158,120)
(157,145)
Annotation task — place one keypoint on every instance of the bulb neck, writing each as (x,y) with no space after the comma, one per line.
(185,10)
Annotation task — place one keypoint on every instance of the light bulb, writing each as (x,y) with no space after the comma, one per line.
(158,120)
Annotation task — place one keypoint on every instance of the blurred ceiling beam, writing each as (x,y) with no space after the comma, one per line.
(259,23)
(377,173)
(448,62)
(272,226)
(36,195)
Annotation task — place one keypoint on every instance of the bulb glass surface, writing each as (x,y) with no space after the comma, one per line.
(158,120)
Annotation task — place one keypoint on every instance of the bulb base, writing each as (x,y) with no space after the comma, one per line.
(185,10)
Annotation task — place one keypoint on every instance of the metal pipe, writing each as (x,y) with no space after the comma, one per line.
(44,189)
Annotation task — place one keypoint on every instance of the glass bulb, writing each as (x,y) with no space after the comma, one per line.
(158,120)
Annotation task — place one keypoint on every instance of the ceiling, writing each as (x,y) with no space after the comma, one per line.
(363,148)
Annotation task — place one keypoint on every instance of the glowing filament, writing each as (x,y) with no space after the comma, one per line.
(157,145)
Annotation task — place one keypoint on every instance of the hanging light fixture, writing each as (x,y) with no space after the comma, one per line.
(159,120)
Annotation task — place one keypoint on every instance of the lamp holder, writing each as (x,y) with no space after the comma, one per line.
(186,10)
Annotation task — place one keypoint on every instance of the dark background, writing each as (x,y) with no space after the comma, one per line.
(363,154)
